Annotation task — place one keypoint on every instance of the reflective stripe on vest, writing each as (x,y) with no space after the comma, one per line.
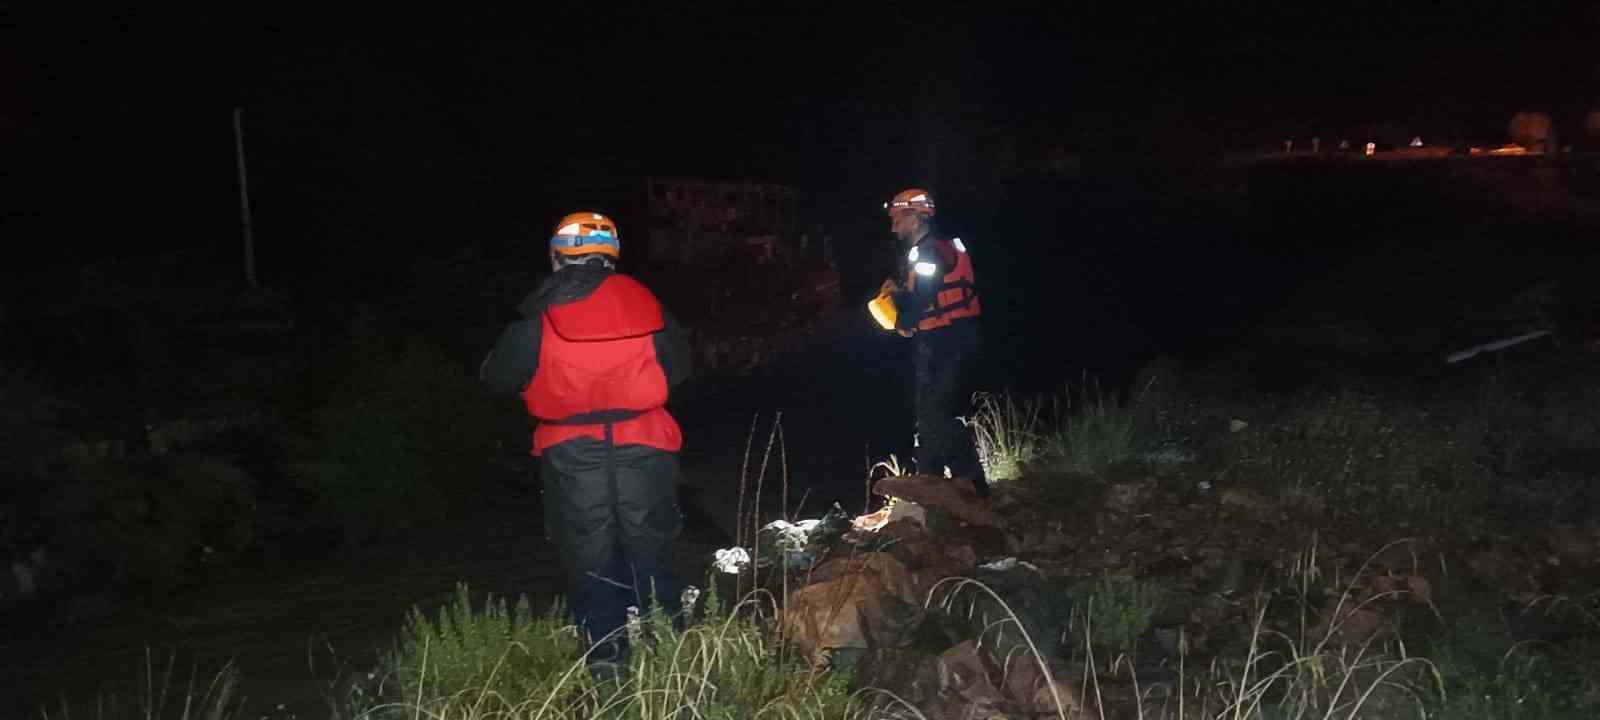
(958,294)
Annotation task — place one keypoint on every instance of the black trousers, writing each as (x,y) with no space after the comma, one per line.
(613,512)
(944,361)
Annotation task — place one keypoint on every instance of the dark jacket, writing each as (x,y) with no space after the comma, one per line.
(510,366)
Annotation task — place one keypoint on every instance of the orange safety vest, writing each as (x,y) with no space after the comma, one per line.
(598,367)
(958,293)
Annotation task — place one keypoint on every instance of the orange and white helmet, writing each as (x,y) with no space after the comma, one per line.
(586,233)
(914,199)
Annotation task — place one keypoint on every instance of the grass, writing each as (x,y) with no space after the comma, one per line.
(1092,431)
(1294,662)
(1354,453)
(1123,608)
(1486,676)
(503,662)
(1318,644)
(155,698)
(1298,658)
(1007,434)
(1085,431)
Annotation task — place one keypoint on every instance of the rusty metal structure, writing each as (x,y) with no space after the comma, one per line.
(694,219)
(728,257)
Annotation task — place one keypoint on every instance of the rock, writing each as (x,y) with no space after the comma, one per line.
(888,622)
(1033,689)
(863,602)
(894,670)
(932,561)
(909,512)
(962,676)
(951,496)
(888,573)
(904,530)
(1018,589)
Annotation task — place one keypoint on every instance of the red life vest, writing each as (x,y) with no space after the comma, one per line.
(958,293)
(597,365)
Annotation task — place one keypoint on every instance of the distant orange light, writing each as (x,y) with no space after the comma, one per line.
(1508,149)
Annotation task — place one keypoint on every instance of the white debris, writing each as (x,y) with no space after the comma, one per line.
(785,525)
(731,560)
(793,536)
(1495,346)
(1007,565)
(1235,425)
(1000,565)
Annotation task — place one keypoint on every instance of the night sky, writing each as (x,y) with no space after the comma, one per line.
(446,123)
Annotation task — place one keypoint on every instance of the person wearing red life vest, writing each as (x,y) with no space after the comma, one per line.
(937,306)
(594,358)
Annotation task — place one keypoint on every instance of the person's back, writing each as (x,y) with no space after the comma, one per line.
(599,363)
(594,360)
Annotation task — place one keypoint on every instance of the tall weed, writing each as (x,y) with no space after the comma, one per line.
(1092,431)
(503,662)
(1007,434)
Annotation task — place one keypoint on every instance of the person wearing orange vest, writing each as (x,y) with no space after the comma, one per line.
(937,306)
(593,360)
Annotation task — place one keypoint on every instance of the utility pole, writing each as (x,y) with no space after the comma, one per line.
(244,200)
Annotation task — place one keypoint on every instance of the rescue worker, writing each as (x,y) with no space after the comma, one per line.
(593,359)
(937,306)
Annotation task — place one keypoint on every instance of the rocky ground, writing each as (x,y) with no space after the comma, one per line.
(1186,584)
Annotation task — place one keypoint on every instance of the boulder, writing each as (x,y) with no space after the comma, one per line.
(962,685)
(892,669)
(1033,688)
(954,497)
(854,603)
(967,681)
(880,569)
